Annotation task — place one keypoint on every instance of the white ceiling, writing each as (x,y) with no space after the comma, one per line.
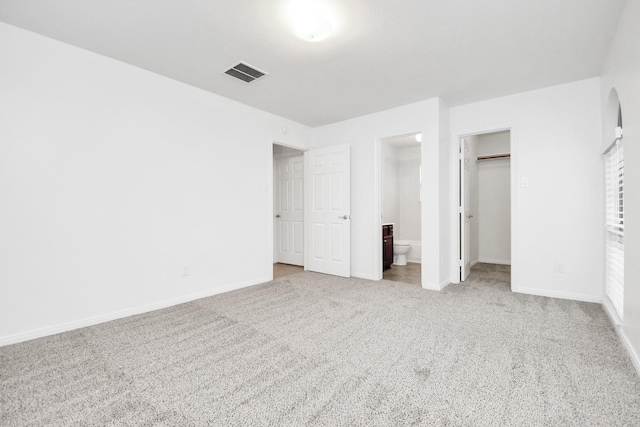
(384,53)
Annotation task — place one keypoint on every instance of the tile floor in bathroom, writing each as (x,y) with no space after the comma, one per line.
(280,269)
(410,273)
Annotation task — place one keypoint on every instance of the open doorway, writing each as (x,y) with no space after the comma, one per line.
(288,210)
(485,207)
(401,210)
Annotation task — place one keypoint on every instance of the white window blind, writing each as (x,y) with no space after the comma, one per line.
(614,281)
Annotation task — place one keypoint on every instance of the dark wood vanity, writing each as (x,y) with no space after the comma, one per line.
(387,246)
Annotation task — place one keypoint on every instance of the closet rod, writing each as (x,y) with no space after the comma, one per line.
(493,157)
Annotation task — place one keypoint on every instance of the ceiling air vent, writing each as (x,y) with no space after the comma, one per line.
(245,72)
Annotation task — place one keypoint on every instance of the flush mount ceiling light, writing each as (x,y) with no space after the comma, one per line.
(312,20)
(419,137)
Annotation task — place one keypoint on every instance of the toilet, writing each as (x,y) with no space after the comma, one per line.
(400,250)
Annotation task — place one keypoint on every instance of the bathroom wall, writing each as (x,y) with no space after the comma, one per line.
(401,194)
(409,193)
(390,199)
(409,200)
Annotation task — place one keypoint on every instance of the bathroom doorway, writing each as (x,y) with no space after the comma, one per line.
(485,203)
(288,209)
(401,210)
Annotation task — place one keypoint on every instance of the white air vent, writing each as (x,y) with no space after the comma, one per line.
(245,72)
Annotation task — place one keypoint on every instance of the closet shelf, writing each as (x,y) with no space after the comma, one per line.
(493,157)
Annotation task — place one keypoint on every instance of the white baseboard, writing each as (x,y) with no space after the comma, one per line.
(611,312)
(414,260)
(494,261)
(620,331)
(436,286)
(445,284)
(474,262)
(633,354)
(102,318)
(556,294)
(367,276)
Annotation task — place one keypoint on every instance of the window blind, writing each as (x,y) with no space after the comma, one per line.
(614,280)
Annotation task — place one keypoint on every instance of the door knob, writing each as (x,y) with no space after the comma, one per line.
(343,217)
(277,216)
(469,216)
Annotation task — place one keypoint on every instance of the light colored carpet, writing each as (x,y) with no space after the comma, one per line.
(310,349)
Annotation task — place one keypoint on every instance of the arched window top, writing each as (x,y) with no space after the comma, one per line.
(619,116)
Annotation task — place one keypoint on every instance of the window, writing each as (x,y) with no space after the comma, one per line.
(614,181)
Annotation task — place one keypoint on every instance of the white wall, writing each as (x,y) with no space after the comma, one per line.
(494,199)
(557,219)
(621,71)
(363,135)
(409,194)
(445,223)
(112,178)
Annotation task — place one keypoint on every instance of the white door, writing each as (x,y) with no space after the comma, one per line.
(465,214)
(328,208)
(289,210)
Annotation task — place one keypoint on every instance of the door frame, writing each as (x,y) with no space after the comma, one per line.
(377,220)
(276,158)
(456,137)
(463,216)
(269,189)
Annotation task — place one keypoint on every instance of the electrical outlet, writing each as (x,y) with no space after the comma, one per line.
(559,268)
(185,270)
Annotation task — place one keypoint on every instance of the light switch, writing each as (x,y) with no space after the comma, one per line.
(524,181)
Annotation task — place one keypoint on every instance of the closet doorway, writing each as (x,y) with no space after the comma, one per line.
(485,202)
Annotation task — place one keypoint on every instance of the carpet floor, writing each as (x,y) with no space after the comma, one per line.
(311,349)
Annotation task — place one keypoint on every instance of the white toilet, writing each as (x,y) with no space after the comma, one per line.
(400,250)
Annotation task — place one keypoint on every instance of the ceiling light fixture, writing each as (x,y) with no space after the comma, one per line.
(419,137)
(312,20)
